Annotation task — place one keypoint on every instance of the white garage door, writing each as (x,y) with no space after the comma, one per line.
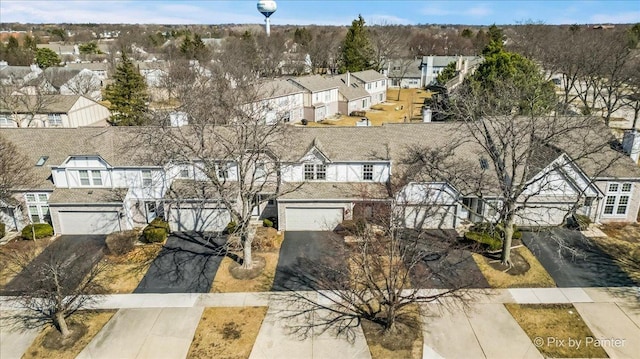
(199,219)
(88,222)
(418,217)
(544,215)
(313,219)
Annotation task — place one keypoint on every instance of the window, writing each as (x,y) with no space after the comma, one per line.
(327,96)
(38,207)
(368,86)
(146,178)
(97,178)
(367,172)
(315,172)
(184,173)
(5,119)
(84,178)
(261,171)
(617,201)
(90,177)
(55,119)
(222,170)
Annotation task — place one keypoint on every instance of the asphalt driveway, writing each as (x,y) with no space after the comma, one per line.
(310,261)
(83,252)
(573,261)
(186,264)
(446,263)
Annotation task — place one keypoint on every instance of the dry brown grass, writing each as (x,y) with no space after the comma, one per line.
(224,282)
(221,335)
(41,346)
(629,232)
(26,250)
(623,245)
(552,323)
(393,111)
(123,273)
(266,245)
(536,276)
(405,342)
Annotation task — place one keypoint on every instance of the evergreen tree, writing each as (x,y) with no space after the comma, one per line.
(127,95)
(47,58)
(357,52)
(447,74)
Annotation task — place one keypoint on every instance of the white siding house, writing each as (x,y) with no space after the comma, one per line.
(320,98)
(374,83)
(53,111)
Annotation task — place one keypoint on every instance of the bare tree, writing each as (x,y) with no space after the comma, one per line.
(389,41)
(377,274)
(15,171)
(323,50)
(227,142)
(52,287)
(24,104)
(398,70)
(516,150)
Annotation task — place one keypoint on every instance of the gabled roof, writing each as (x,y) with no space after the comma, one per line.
(314,83)
(58,76)
(352,92)
(405,69)
(93,66)
(44,104)
(368,75)
(277,88)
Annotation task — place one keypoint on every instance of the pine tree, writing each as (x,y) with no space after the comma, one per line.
(357,53)
(127,95)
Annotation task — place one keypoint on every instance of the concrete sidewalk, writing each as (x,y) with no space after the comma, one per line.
(163,325)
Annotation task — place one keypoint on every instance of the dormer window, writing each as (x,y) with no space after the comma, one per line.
(315,172)
(484,164)
(90,178)
(147,181)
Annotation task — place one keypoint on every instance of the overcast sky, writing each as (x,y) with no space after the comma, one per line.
(328,12)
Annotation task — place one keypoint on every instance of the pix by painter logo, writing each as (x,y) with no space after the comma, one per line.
(578,343)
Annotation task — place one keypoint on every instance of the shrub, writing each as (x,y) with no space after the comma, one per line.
(267,223)
(154,235)
(156,231)
(231,228)
(579,222)
(496,230)
(40,230)
(120,243)
(354,226)
(492,242)
(3,230)
(266,239)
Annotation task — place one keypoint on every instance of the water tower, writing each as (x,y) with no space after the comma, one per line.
(267,8)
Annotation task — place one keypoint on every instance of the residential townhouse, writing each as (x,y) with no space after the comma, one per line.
(431,66)
(320,97)
(52,111)
(404,73)
(280,100)
(351,94)
(98,181)
(65,81)
(375,83)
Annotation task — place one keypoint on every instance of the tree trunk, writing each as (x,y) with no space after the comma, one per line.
(61,324)
(247,238)
(506,245)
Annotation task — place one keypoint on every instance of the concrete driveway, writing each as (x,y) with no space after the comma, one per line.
(307,259)
(573,261)
(186,264)
(83,250)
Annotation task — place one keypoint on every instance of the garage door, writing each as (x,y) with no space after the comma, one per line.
(542,215)
(313,219)
(88,222)
(199,219)
(418,217)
